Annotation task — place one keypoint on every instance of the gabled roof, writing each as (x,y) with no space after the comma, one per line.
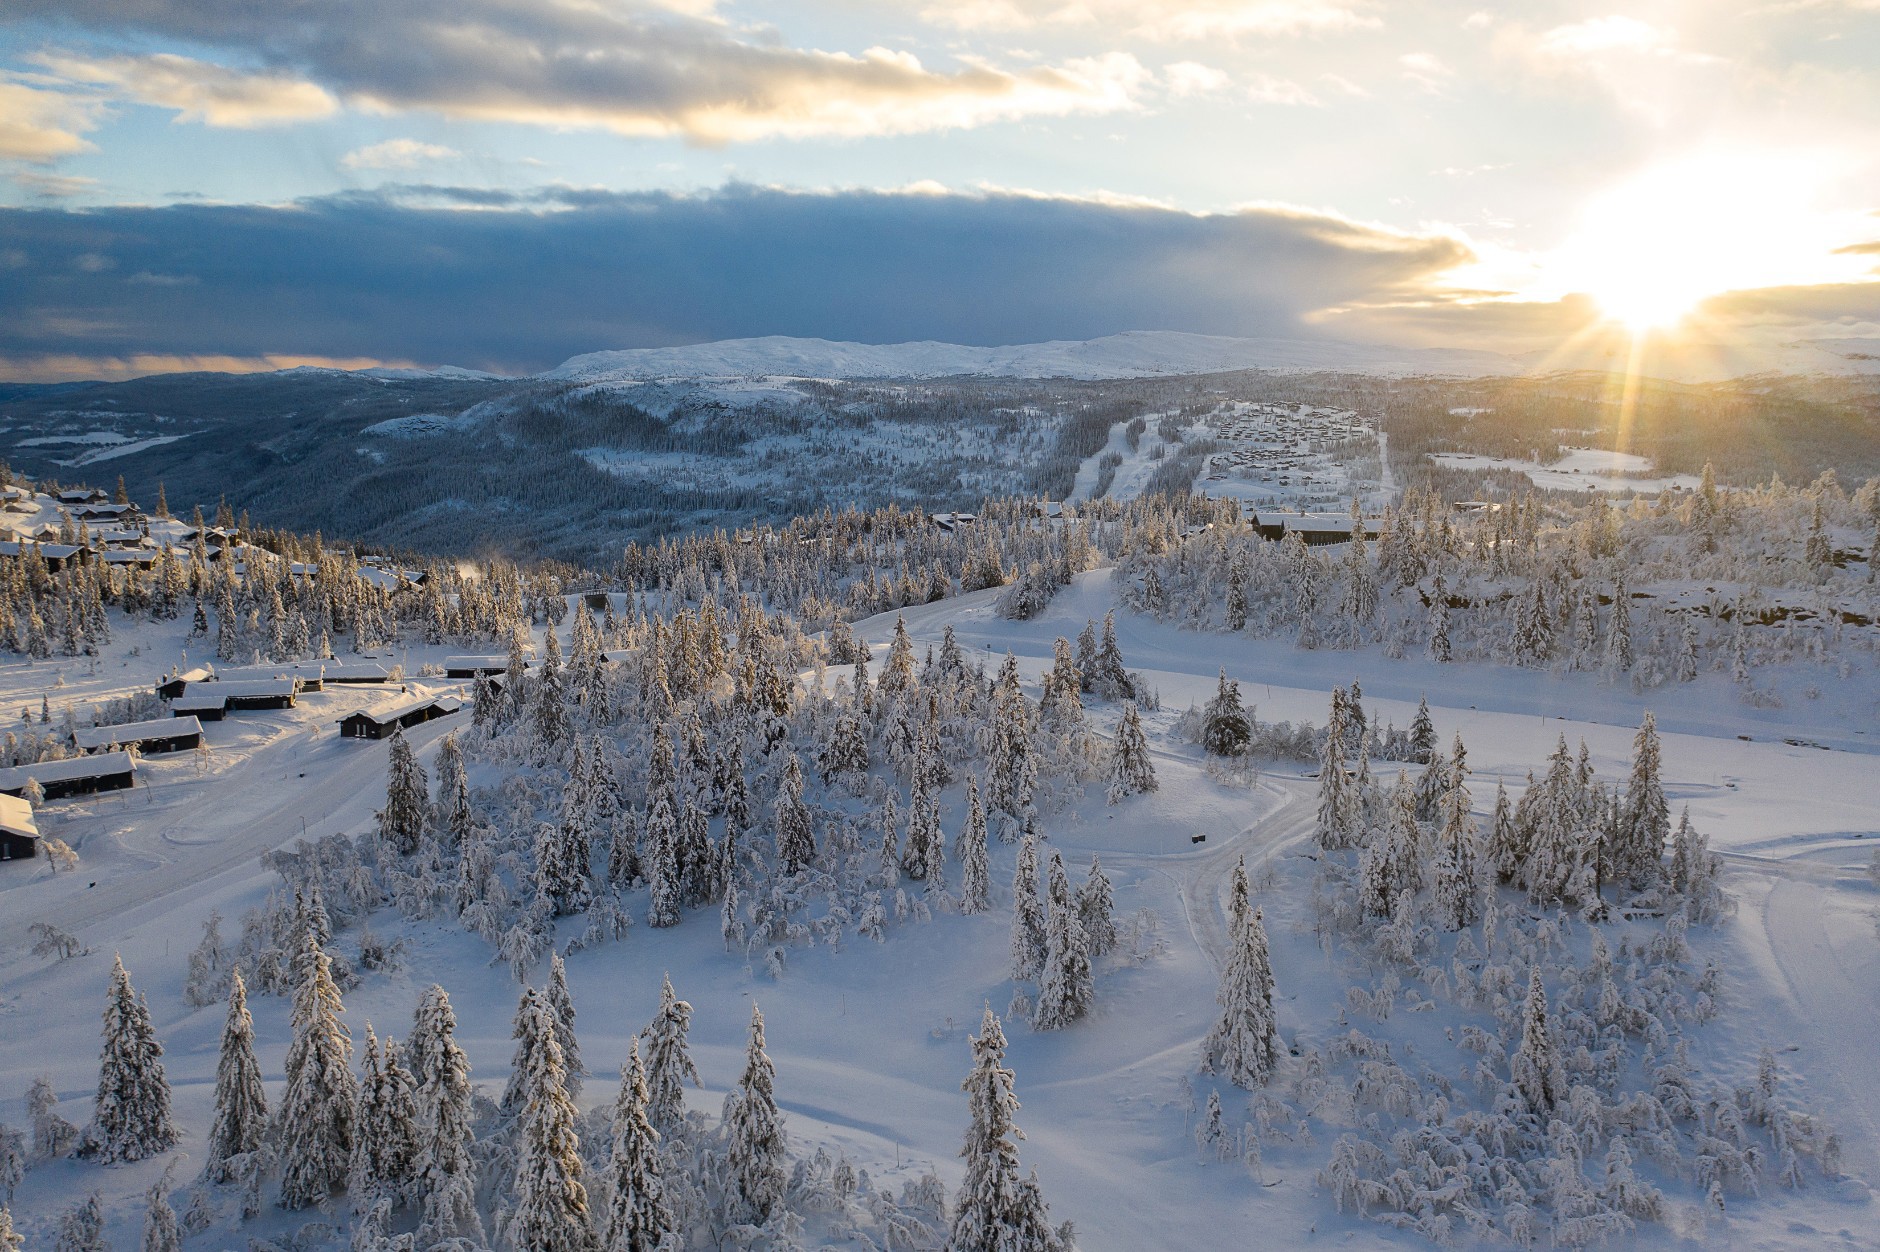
(74,767)
(386,714)
(16,818)
(136,732)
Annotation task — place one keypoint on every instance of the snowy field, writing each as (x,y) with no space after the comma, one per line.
(870,1041)
(1581,469)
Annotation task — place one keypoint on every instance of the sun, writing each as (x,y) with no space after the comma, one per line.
(1651,250)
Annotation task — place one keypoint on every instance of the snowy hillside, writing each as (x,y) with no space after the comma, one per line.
(1143,354)
(1134,354)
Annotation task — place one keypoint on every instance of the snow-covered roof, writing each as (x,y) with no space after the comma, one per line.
(16,818)
(73,767)
(385,714)
(136,732)
(51,551)
(199,702)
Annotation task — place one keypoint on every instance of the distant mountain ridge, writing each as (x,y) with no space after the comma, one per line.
(1132,354)
(1158,353)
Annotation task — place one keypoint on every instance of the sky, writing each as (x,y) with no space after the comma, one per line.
(504,183)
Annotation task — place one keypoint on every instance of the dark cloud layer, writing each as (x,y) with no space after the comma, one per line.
(521,282)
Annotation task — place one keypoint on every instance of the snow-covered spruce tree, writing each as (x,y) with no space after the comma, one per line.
(549,704)
(452,810)
(1458,887)
(407,798)
(1064,986)
(1096,908)
(1132,772)
(1340,822)
(1012,771)
(924,838)
(662,842)
(1440,649)
(1645,820)
(756,1156)
(131,1116)
(1422,734)
(973,853)
(1226,729)
(385,1145)
(1109,678)
(314,1128)
(638,1219)
(1243,1047)
(668,1063)
(81,1227)
(995,1210)
(10,1240)
(161,1233)
(447,1180)
(561,1006)
(796,843)
(1619,653)
(516,1090)
(1531,642)
(551,1204)
(1535,1069)
(241,1105)
(1028,915)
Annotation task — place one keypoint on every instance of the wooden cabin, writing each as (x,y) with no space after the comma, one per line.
(19,833)
(379,723)
(203,704)
(471,666)
(78,776)
(178,733)
(176,683)
(258,693)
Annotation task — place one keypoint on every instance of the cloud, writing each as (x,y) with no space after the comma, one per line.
(1604,34)
(197,90)
(1170,20)
(1265,89)
(397,154)
(535,277)
(41,126)
(629,66)
(1426,71)
(1191,78)
(47,186)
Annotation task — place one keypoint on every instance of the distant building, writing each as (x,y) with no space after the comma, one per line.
(176,684)
(164,734)
(108,771)
(259,693)
(379,723)
(82,495)
(56,555)
(1315,529)
(19,833)
(950,522)
(203,704)
(471,666)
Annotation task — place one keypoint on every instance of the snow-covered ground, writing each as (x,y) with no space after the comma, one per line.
(1580,469)
(870,1041)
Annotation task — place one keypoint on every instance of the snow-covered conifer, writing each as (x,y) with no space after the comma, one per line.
(81,1227)
(241,1105)
(1028,915)
(668,1062)
(131,1117)
(1064,984)
(756,1155)
(10,1240)
(1243,1047)
(796,843)
(1132,772)
(1340,803)
(561,1005)
(973,853)
(1535,1068)
(161,1233)
(447,1178)
(638,1219)
(1644,823)
(407,798)
(1096,909)
(315,1130)
(385,1147)
(996,1210)
(551,1204)
(1422,734)
(1226,730)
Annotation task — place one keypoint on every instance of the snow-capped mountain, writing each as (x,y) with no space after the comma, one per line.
(1133,354)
